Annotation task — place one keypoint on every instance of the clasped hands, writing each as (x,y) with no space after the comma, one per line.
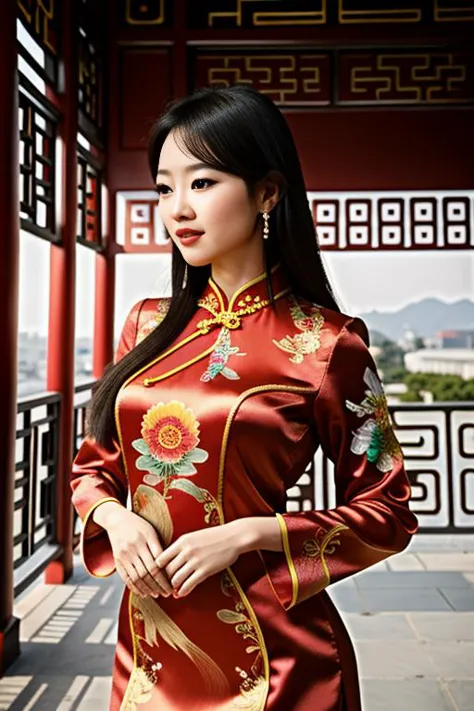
(148,570)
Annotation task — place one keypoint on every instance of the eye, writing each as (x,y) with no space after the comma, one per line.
(206,181)
(161,188)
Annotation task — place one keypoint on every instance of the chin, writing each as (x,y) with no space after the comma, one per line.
(197,260)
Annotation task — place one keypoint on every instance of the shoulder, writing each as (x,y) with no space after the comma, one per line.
(334,325)
(150,314)
(142,318)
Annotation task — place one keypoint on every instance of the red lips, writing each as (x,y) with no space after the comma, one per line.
(185,232)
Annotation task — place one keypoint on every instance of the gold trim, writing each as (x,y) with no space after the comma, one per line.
(225,439)
(326,540)
(289,560)
(149,381)
(217,292)
(243,396)
(260,277)
(84,525)
(126,695)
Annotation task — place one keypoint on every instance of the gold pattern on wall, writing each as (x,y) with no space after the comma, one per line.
(272,17)
(445,12)
(391,12)
(145,12)
(288,78)
(40,17)
(404,78)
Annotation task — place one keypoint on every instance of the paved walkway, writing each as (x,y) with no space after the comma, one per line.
(411,619)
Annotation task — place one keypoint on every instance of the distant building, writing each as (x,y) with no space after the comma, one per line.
(443,361)
(459,338)
(409,339)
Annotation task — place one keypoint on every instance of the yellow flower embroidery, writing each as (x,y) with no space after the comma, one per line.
(323,543)
(309,320)
(168,448)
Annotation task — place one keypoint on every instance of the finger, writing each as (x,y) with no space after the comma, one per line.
(124,574)
(182,575)
(158,579)
(195,579)
(175,565)
(136,569)
(145,581)
(167,556)
(155,551)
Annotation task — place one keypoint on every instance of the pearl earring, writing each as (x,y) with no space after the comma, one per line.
(266,228)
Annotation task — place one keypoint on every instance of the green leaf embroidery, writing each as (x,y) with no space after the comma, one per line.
(141,446)
(184,467)
(189,488)
(198,456)
(149,464)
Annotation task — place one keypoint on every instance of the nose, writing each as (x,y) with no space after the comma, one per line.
(180,207)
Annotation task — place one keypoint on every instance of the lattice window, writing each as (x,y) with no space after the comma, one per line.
(41,19)
(38,128)
(90,87)
(89,201)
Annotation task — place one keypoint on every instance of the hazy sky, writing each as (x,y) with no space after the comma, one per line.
(363,281)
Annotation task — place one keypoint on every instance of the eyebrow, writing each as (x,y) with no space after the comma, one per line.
(188,169)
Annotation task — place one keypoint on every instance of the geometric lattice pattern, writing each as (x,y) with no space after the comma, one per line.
(139,226)
(300,78)
(394,221)
(354,221)
(369,77)
(38,128)
(401,77)
(242,14)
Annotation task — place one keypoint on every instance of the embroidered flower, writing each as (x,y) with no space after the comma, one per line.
(375,437)
(170,433)
(150,325)
(309,320)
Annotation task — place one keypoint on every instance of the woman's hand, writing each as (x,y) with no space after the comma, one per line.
(135,547)
(198,555)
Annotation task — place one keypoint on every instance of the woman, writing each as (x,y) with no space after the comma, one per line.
(217,402)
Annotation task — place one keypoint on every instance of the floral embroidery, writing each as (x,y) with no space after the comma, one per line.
(375,437)
(321,544)
(169,446)
(253,686)
(161,311)
(223,350)
(210,303)
(228,319)
(139,689)
(309,320)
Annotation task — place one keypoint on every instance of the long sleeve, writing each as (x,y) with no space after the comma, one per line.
(372,519)
(98,476)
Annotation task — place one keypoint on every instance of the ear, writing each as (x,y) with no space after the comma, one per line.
(272,188)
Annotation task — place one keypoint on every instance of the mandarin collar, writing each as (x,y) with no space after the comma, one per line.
(253,291)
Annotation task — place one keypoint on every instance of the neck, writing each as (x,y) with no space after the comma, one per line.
(232,273)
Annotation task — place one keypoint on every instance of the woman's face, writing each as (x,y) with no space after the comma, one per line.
(197,198)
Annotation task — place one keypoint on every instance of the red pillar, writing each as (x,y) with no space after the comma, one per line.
(62,299)
(9,252)
(104,311)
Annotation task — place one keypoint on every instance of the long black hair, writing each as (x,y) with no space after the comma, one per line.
(240,131)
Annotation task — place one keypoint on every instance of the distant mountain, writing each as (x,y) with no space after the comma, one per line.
(426,318)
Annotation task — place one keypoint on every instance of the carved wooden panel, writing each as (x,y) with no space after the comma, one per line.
(287,77)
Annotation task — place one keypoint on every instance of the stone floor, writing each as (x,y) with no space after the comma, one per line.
(411,619)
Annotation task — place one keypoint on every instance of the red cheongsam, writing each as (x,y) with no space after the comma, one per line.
(218,427)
